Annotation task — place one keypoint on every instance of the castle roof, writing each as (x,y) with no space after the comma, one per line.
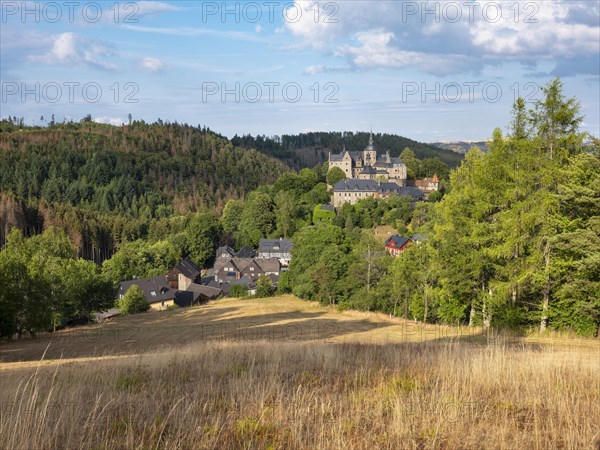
(368,170)
(354,185)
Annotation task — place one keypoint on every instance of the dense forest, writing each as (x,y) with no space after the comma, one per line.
(513,239)
(106,184)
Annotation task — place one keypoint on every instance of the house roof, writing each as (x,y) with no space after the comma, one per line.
(226,286)
(397,241)
(241,263)
(268,264)
(419,237)
(188,268)
(155,289)
(207,291)
(225,250)
(412,191)
(245,252)
(275,245)
(252,269)
(107,314)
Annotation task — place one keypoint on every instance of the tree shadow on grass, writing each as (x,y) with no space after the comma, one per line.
(152,331)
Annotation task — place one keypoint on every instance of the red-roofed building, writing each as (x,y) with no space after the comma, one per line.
(397,244)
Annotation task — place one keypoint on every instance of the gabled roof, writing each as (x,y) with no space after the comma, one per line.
(207,291)
(188,268)
(245,252)
(397,241)
(241,263)
(268,264)
(252,269)
(368,170)
(155,289)
(275,245)
(229,266)
(225,250)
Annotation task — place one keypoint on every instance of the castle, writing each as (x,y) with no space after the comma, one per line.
(370,175)
(367,165)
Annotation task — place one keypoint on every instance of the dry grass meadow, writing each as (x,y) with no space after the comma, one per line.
(286,374)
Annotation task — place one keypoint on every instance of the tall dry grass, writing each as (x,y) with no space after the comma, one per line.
(260,395)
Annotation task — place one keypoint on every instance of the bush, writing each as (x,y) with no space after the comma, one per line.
(284,285)
(238,290)
(264,286)
(134,301)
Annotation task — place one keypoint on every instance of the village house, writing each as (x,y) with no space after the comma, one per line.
(236,268)
(183,275)
(351,191)
(156,290)
(396,244)
(276,248)
(178,287)
(244,267)
(426,185)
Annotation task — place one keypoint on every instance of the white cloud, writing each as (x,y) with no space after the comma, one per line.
(152,64)
(72,50)
(375,50)
(258,28)
(117,121)
(393,34)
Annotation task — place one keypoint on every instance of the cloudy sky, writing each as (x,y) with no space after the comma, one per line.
(427,70)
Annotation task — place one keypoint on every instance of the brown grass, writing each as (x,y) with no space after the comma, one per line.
(283,373)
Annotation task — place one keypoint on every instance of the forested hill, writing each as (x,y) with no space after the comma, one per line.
(118,178)
(308,149)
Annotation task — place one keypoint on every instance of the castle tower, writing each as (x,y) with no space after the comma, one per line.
(369,153)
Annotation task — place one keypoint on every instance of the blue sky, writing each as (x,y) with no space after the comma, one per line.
(426,70)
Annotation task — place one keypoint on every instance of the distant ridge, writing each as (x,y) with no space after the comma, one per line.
(461,147)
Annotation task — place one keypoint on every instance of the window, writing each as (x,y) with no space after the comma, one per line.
(153,293)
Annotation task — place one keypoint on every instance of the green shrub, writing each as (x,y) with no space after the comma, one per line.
(238,290)
(134,301)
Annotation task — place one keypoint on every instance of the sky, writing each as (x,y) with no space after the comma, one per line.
(427,70)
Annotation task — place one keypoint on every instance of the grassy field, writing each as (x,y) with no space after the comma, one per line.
(283,373)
